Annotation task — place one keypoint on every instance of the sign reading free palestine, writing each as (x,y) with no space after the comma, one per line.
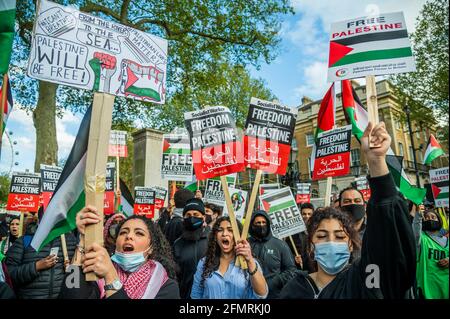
(371,45)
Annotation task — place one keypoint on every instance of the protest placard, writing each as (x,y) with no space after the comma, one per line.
(266,188)
(49,179)
(176,163)
(268,135)
(239,201)
(303,193)
(332,157)
(285,217)
(160,196)
(216,149)
(118,144)
(84,51)
(214,193)
(108,207)
(144,201)
(371,45)
(439,186)
(24,192)
(362,184)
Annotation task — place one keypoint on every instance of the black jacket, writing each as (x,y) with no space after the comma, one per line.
(388,246)
(301,243)
(6,292)
(187,251)
(21,263)
(90,290)
(174,228)
(275,258)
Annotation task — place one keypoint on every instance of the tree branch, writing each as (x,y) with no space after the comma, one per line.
(124,11)
(92,7)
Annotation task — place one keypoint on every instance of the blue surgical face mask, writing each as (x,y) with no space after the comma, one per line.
(332,256)
(129,262)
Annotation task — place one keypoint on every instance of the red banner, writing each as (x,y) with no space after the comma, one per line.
(108,206)
(144,201)
(24,192)
(366,194)
(303,198)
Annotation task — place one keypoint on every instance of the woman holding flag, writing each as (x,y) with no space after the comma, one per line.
(141,267)
(386,268)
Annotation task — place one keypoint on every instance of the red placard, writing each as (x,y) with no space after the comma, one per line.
(216,150)
(24,192)
(144,201)
(332,156)
(269,130)
(303,198)
(108,206)
(118,150)
(366,194)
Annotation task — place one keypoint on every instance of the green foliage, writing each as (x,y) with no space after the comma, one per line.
(4,188)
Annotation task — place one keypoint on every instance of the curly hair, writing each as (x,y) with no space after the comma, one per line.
(161,251)
(212,256)
(330,213)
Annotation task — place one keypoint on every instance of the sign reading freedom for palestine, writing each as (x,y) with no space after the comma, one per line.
(118,144)
(49,177)
(77,49)
(303,193)
(24,192)
(333,153)
(216,150)
(372,45)
(108,206)
(268,135)
(176,162)
(144,201)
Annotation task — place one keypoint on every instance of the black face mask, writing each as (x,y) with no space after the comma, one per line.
(208,219)
(356,211)
(260,231)
(431,225)
(192,223)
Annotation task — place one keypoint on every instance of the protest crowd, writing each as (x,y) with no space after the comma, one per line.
(217,241)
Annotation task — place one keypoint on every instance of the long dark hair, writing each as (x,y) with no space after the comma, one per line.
(161,249)
(330,213)
(212,257)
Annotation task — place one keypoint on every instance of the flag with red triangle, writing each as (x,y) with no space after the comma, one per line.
(325,118)
(433,151)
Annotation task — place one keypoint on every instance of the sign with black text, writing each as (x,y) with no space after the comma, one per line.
(49,180)
(303,193)
(144,201)
(108,207)
(439,185)
(24,192)
(176,163)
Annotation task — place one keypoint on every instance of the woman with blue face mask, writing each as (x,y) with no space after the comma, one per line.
(141,267)
(386,267)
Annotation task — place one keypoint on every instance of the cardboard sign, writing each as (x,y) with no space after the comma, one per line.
(267,188)
(176,163)
(303,193)
(118,144)
(108,207)
(371,45)
(285,217)
(216,150)
(239,200)
(77,49)
(24,192)
(160,196)
(268,136)
(214,192)
(439,185)
(144,201)
(49,179)
(332,157)
(362,184)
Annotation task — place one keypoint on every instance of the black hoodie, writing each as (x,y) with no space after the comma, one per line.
(275,257)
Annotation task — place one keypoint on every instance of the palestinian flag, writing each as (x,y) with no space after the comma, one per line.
(325,118)
(7,17)
(278,200)
(193,185)
(357,116)
(68,198)
(434,150)
(126,199)
(7,108)
(440,191)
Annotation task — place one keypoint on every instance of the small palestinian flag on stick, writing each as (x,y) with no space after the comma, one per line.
(434,150)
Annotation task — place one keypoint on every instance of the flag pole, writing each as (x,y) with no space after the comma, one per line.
(2,107)
(117,185)
(372,102)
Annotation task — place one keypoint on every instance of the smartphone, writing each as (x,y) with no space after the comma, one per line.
(54,251)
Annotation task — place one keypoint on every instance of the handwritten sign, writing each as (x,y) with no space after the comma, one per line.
(303,193)
(285,217)
(84,51)
(176,162)
(118,144)
(439,185)
(108,207)
(144,201)
(239,201)
(214,193)
(268,135)
(333,153)
(24,192)
(49,177)
(362,184)
(216,150)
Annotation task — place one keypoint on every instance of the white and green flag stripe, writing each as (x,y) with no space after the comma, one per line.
(434,150)
(68,198)
(7,17)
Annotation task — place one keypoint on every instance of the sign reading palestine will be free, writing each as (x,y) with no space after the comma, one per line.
(268,135)
(216,150)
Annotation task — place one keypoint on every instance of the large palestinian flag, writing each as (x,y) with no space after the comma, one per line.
(7,17)
(68,198)
(357,116)
(434,150)
(7,107)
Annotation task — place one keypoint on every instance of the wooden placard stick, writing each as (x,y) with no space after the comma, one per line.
(97,156)
(372,102)
(328,191)
(21,232)
(117,185)
(64,249)
(240,261)
(293,246)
